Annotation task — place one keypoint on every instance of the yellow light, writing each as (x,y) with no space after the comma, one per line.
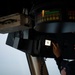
(57,18)
(47,19)
(43,12)
(54,18)
(51,18)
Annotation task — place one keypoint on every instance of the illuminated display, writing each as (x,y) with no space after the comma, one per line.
(47,15)
(71,15)
(54,15)
(47,42)
(51,12)
(43,13)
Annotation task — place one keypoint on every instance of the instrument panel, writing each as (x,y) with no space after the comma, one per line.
(55,16)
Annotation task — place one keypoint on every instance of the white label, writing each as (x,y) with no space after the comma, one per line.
(48,42)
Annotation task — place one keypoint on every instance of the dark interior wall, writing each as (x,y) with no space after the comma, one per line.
(12,6)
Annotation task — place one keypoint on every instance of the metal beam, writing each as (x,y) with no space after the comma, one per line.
(37,65)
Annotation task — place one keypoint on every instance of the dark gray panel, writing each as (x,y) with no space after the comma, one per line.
(10,39)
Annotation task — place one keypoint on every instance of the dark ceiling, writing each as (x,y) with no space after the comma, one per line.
(12,6)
